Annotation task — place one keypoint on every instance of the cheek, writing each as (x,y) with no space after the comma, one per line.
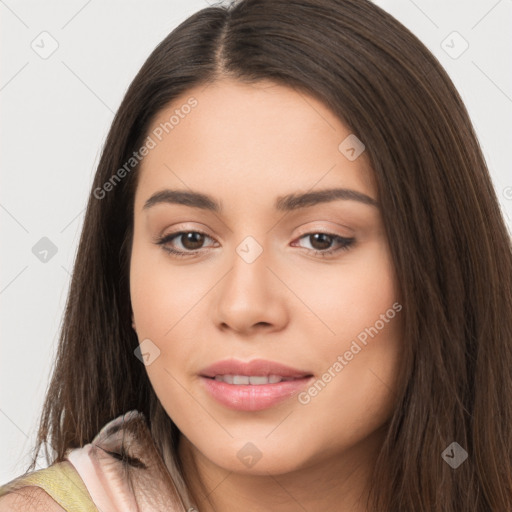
(167,308)
(355,390)
(350,297)
(355,395)
(161,294)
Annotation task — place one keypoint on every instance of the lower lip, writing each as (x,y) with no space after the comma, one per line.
(249,397)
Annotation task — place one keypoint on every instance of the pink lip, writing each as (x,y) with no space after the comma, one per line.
(253,397)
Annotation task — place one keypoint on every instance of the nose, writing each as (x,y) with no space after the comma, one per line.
(250,298)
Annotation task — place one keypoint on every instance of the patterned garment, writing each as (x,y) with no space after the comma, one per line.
(94,478)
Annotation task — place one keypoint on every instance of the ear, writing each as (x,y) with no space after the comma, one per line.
(133,324)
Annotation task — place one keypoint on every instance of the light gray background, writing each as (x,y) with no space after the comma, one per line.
(56,112)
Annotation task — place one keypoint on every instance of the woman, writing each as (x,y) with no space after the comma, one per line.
(334,332)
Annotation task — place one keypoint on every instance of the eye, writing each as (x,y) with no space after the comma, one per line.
(190,244)
(322,243)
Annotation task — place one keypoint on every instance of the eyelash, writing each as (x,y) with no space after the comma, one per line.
(346,243)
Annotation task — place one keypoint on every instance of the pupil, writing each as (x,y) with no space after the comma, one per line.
(319,236)
(191,238)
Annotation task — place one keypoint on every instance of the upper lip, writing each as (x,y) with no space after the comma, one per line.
(256,367)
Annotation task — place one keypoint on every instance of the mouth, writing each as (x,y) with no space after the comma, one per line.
(252,386)
(253,380)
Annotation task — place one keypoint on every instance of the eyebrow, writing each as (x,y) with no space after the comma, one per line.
(283,203)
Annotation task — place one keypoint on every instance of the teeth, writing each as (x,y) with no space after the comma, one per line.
(240,379)
(253,379)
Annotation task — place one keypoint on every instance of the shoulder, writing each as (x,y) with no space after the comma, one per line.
(57,488)
(29,499)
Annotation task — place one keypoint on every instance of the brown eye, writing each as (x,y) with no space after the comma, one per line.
(192,240)
(183,243)
(320,241)
(324,244)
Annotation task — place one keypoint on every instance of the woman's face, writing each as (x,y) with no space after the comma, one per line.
(269,274)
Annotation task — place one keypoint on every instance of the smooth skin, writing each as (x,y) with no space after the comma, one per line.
(246,145)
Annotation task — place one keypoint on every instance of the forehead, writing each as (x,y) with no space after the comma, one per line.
(249,140)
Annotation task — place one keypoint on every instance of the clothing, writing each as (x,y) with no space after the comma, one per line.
(121,470)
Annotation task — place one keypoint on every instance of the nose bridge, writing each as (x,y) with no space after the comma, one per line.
(248,296)
(249,274)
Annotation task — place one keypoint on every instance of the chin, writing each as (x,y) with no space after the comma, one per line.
(259,457)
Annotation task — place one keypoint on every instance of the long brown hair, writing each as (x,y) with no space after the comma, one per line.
(451,249)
